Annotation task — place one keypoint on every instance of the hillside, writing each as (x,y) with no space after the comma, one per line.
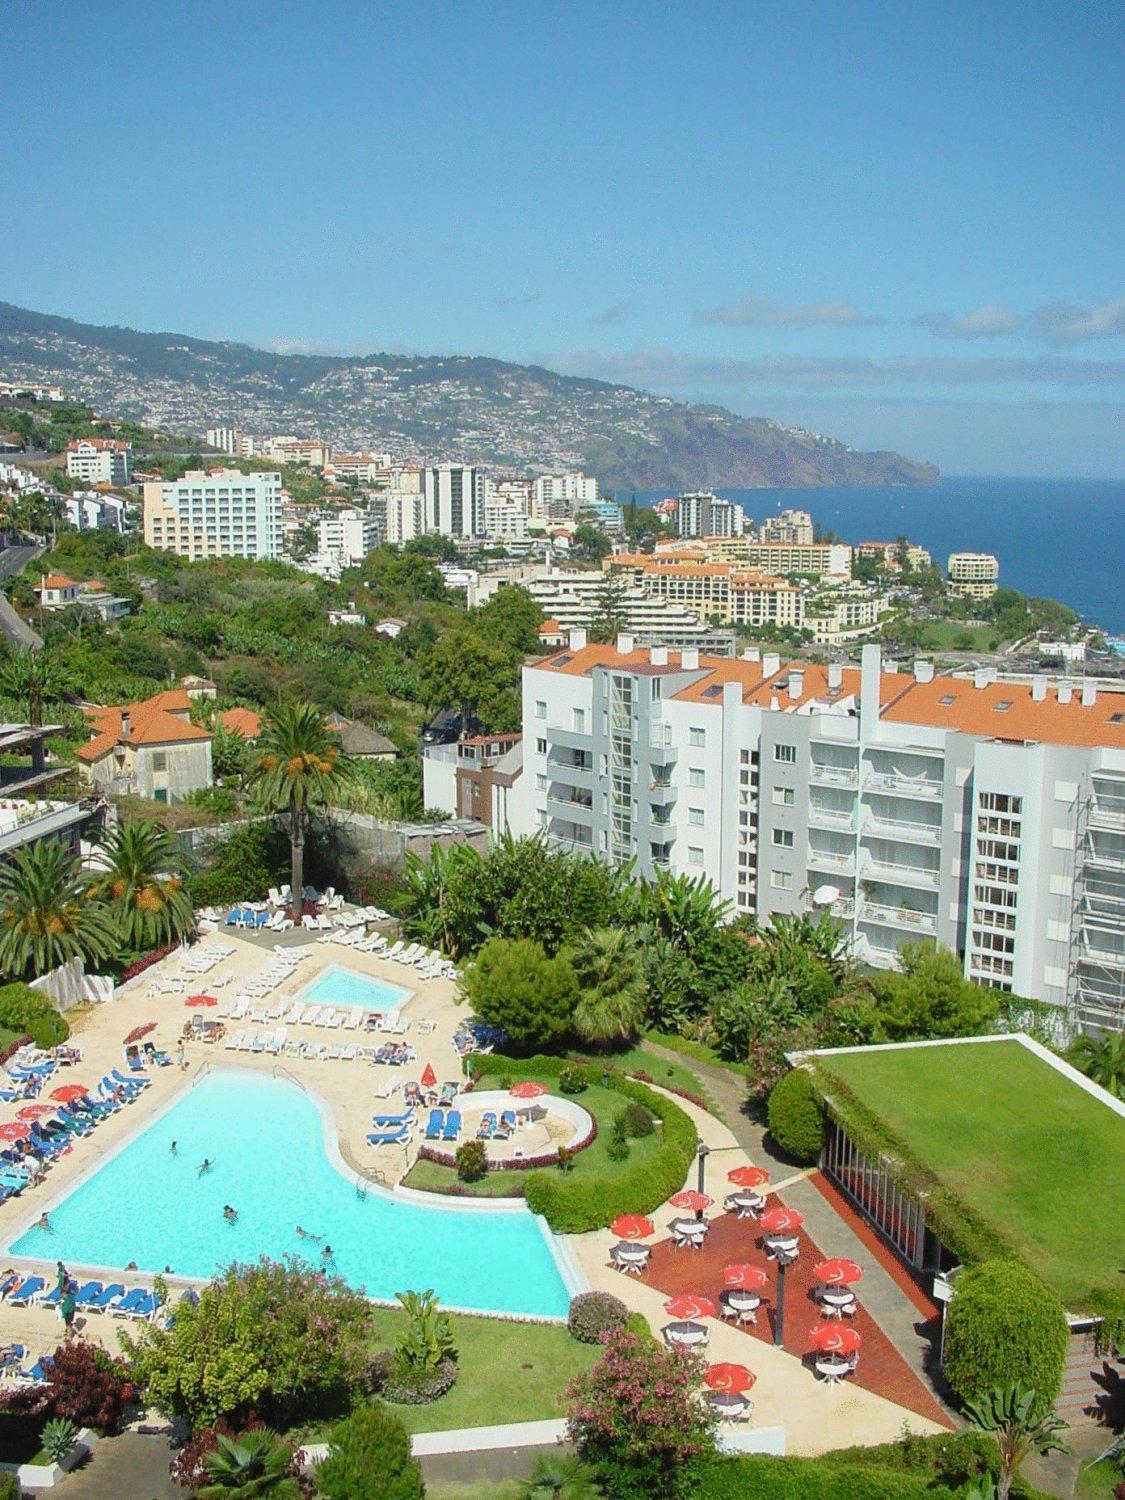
(458,407)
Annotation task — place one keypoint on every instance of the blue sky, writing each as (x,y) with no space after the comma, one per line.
(899,224)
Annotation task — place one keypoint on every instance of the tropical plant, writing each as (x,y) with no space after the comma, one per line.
(513,984)
(47,915)
(369,1458)
(1004,1326)
(296,765)
(1021,1422)
(257,1463)
(557,1476)
(609,965)
(1102,1059)
(58,1437)
(824,937)
(35,677)
(141,881)
(427,1339)
(472,1161)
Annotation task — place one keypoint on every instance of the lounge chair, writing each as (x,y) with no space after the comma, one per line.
(323,923)
(108,1295)
(452,1125)
(385,1122)
(395,950)
(28,1292)
(435,1125)
(487,1127)
(352,1019)
(139,1303)
(388,1138)
(86,1293)
(280,1037)
(508,1122)
(309,923)
(142,1081)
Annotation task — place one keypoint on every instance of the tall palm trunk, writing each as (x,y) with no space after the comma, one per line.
(297,856)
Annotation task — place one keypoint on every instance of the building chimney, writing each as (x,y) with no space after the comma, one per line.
(625,645)
(752,653)
(923,671)
(689,659)
(1089,694)
(796,683)
(577,639)
(126,727)
(1066,692)
(771,664)
(835,676)
(981,678)
(1038,688)
(659,656)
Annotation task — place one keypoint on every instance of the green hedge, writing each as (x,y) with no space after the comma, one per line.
(757,1477)
(574,1207)
(1004,1326)
(26,1011)
(796,1116)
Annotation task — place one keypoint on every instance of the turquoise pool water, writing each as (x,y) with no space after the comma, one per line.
(266,1139)
(337,986)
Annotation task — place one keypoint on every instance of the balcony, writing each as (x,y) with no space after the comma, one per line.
(898,916)
(829,775)
(660,738)
(661,793)
(913,875)
(831,817)
(928,788)
(1110,856)
(1099,948)
(838,864)
(1108,815)
(567,739)
(573,810)
(575,838)
(908,833)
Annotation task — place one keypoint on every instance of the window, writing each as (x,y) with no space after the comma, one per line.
(579,720)
(697,738)
(784,796)
(786,754)
(160,794)
(783,838)
(781,880)
(540,709)
(540,747)
(695,817)
(696,777)
(540,782)
(694,855)
(159,760)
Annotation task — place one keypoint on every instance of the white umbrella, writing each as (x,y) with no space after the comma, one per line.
(825,895)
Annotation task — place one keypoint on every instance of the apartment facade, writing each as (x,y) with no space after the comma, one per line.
(986,816)
(703,514)
(453,500)
(726,592)
(217,513)
(973,574)
(100,461)
(562,494)
(401,513)
(577,598)
(347,535)
(812,560)
(787,528)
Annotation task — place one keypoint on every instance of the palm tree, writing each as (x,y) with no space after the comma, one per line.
(36,678)
(1102,1059)
(297,764)
(1022,1424)
(47,913)
(143,886)
(559,1477)
(609,963)
(257,1463)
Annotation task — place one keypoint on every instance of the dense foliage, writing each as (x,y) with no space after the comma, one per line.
(594,1314)
(141,882)
(255,1464)
(1004,1326)
(369,1458)
(796,1117)
(88,1386)
(47,916)
(1022,1422)
(28,1013)
(515,985)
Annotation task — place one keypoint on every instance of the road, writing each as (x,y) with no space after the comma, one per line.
(12,559)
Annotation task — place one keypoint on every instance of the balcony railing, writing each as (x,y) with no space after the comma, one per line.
(897,916)
(660,737)
(915,875)
(834,775)
(1109,817)
(905,786)
(822,859)
(895,828)
(831,817)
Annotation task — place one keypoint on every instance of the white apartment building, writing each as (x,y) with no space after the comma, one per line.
(454,499)
(788,526)
(841,613)
(986,816)
(973,574)
(100,461)
(812,560)
(726,592)
(887,555)
(703,514)
(216,513)
(562,494)
(368,468)
(517,492)
(403,515)
(28,390)
(94,512)
(504,522)
(296,450)
(226,440)
(347,535)
(577,598)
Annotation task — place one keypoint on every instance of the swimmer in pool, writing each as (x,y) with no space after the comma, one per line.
(230,1214)
(205,1166)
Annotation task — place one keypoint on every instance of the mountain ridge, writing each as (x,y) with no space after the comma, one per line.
(468,408)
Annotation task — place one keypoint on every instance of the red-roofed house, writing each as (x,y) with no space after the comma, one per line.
(243,721)
(56,591)
(148,749)
(100,461)
(552,634)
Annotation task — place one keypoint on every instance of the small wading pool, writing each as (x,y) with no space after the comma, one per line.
(339,986)
(266,1139)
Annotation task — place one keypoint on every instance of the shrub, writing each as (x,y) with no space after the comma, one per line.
(515,985)
(427,1340)
(593,1314)
(618,1149)
(638,1121)
(25,1010)
(564,1159)
(1004,1326)
(89,1387)
(637,1324)
(369,1459)
(417,1386)
(188,1467)
(9,1487)
(796,1117)
(758,1477)
(472,1161)
(573,1079)
(253,857)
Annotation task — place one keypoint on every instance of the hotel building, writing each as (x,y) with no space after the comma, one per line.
(99,461)
(221,513)
(453,496)
(727,592)
(973,574)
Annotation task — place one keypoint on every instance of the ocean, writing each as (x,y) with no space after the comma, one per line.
(1055,538)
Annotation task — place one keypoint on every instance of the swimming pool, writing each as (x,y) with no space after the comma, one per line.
(266,1138)
(339,986)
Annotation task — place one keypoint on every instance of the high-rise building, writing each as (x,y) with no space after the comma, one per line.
(216,513)
(402,514)
(973,574)
(563,494)
(704,514)
(226,440)
(347,535)
(454,499)
(99,461)
(788,526)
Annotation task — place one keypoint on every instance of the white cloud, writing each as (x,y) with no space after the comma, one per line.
(1070,323)
(990,321)
(764,312)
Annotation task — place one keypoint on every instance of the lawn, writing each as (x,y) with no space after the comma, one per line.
(668,1074)
(1022,1147)
(602,1103)
(8,1038)
(957,635)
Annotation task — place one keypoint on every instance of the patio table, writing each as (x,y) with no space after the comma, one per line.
(833,1370)
(687,1335)
(627,1257)
(689,1231)
(778,1245)
(745,1205)
(837,1303)
(729,1406)
(743,1305)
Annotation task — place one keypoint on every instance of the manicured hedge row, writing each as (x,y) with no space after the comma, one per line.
(512,1163)
(574,1207)
(757,1477)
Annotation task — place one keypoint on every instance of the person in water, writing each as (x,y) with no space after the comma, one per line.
(43,1221)
(305,1234)
(230,1214)
(175,1148)
(205,1166)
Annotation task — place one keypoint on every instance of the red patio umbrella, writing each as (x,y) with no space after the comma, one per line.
(13,1132)
(35,1111)
(749,1278)
(780,1220)
(197,1000)
(69,1092)
(527,1090)
(138,1033)
(749,1177)
(429,1077)
(838,1272)
(728,1377)
(691,1199)
(835,1338)
(690,1305)
(632,1227)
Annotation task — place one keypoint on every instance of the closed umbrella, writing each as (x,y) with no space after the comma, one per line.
(139,1033)
(429,1077)
(835,1338)
(528,1090)
(690,1305)
(69,1092)
(748,1278)
(691,1199)
(730,1378)
(838,1272)
(781,1220)
(749,1177)
(199,1000)
(632,1227)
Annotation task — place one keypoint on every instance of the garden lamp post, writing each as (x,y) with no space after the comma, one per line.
(783,1259)
(702,1152)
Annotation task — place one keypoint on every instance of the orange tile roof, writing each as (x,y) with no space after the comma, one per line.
(97,747)
(243,721)
(550,627)
(974,711)
(56,581)
(153,721)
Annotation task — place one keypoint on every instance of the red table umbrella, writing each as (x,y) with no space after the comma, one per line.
(632,1227)
(749,1177)
(727,1377)
(139,1033)
(748,1278)
(69,1092)
(13,1132)
(838,1272)
(429,1077)
(527,1090)
(690,1199)
(780,1220)
(689,1305)
(835,1338)
(35,1111)
(197,1000)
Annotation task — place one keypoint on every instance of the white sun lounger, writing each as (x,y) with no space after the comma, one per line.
(239,1008)
(335,1019)
(395,950)
(234,1041)
(293,1014)
(348,1054)
(352,1019)
(278,1040)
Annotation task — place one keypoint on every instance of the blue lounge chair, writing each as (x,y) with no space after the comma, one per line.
(108,1294)
(383,1122)
(139,1303)
(86,1293)
(27,1292)
(452,1125)
(143,1081)
(508,1121)
(9,1284)
(434,1125)
(487,1127)
(11,1354)
(40,1372)
(392,1137)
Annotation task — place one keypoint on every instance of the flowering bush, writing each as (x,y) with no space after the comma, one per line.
(146,961)
(418,1387)
(572,1079)
(472,1161)
(88,1386)
(594,1314)
(636,1417)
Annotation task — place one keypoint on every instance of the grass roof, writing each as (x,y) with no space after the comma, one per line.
(1011,1153)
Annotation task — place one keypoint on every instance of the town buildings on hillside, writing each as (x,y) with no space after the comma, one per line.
(99,461)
